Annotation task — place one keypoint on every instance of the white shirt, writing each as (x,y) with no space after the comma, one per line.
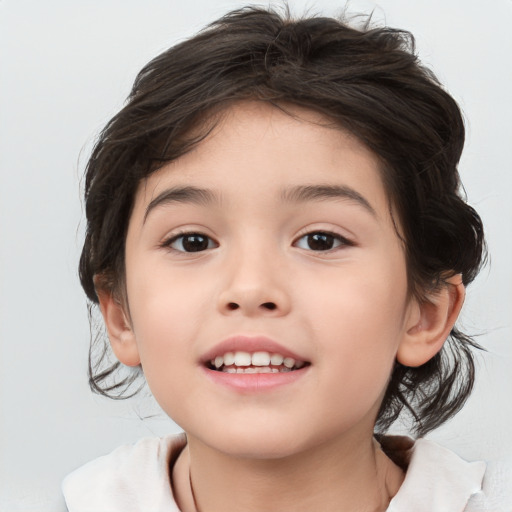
(136,478)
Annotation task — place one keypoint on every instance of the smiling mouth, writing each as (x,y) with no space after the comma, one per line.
(255,362)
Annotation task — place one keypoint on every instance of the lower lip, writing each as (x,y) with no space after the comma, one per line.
(255,382)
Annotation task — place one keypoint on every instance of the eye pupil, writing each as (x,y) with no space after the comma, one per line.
(195,243)
(320,241)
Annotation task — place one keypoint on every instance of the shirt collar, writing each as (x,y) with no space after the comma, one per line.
(436,480)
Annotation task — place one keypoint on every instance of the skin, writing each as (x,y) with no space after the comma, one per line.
(307,445)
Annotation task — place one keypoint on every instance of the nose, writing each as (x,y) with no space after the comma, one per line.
(255,285)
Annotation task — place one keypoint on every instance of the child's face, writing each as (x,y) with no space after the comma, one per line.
(290,242)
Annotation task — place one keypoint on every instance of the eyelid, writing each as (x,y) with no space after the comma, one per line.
(344,241)
(173,237)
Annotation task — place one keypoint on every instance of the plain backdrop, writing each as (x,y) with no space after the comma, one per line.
(65,69)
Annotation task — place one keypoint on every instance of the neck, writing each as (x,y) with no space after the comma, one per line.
(354,475)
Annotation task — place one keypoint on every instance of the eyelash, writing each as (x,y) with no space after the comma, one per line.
(211,244)
(322,236)
(334,238)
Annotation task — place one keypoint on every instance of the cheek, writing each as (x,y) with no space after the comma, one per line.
(361,323)
(164,302)
(166,319)
(365,303)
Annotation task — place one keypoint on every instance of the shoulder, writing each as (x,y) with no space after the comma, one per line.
(437,480)
(131,478)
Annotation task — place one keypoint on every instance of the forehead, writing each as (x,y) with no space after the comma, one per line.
(263,152)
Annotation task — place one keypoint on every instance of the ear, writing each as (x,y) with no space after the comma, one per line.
(119,329)
(430,322)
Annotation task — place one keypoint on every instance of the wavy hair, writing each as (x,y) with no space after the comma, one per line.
(368,81)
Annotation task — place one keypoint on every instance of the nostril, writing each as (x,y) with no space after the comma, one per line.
(269,305)
(232,306)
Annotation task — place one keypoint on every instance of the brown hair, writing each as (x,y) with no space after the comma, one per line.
(369,82)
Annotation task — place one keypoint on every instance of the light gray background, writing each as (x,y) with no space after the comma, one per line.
(65,68)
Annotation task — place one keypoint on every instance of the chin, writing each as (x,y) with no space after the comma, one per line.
(260,449)
(257,442)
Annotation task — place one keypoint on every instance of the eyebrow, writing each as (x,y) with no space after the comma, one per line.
(305,193)
(192,195)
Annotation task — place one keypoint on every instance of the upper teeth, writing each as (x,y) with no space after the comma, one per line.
(255,359)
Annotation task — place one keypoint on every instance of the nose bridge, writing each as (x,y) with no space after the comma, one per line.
(254,281)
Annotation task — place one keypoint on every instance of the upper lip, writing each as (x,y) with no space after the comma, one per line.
(244,343)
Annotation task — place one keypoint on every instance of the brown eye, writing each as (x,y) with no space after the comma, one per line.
(321,241)
(192,242)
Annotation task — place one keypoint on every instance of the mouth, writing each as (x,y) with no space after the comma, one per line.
(254,362)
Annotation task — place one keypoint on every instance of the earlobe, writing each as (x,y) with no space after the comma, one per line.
(119,329)
(430,323)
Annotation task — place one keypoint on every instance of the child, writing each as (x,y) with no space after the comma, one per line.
(276,240)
